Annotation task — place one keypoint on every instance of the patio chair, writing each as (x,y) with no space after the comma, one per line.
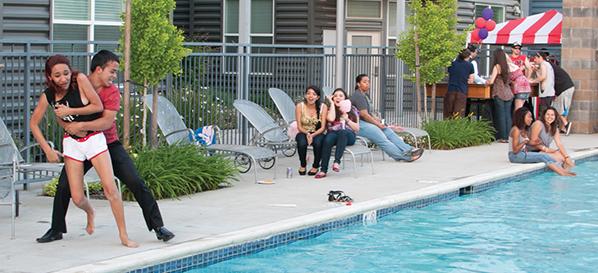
(15,171)
(269,133)
(286,107)
(284,103)
(175,132)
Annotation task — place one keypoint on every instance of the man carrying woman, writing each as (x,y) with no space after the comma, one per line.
(104,68)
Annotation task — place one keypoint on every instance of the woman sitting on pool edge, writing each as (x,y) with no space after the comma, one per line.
(518,139)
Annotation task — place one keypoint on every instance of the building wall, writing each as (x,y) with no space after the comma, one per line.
(25,19)
(200,19)
(580,59)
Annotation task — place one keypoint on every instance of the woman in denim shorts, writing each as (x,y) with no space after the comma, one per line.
(518,140)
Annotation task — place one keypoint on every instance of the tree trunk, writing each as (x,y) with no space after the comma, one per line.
(417,77)
(127,75)
(144,116)
(433,101)
(425,97)
(154,127)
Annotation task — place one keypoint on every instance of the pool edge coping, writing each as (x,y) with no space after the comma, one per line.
(157,256)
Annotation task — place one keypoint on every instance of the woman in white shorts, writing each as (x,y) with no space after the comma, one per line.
(74,99)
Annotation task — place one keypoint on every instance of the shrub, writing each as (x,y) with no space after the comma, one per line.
(172,171)
(204,107)
(95,188)
(459,132)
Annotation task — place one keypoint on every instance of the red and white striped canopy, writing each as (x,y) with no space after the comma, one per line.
(542,28)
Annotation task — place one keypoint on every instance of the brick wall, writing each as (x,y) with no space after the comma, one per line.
(580,59)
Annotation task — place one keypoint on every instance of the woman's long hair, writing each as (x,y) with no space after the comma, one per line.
(338,110)
(552,128)
(358,79)
(500,59)
(55,60)
(318,101)
(519,119)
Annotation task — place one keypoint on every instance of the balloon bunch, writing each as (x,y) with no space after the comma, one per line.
(483,25)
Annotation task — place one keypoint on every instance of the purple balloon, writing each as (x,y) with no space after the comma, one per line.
(487,13)
(483,33)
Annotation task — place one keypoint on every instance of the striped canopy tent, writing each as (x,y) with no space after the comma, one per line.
(542,28)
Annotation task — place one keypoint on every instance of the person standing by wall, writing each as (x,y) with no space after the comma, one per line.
(545,78)
(563,90)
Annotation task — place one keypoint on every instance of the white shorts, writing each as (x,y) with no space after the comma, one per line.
(85,148)
(562,103)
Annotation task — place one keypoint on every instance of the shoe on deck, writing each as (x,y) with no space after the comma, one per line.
(164,234)
(51,235)
(568,128)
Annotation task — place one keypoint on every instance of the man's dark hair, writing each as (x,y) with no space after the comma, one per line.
(102,58)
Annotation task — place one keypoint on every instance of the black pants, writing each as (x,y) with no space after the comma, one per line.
(301,139)
(125,170)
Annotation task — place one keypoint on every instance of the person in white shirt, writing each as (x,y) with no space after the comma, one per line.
(545,77)
(474,54)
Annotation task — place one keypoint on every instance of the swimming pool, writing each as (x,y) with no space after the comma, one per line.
(544,223)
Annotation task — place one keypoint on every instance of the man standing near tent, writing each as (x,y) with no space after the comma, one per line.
(563,90)
(519,59)
(545,78)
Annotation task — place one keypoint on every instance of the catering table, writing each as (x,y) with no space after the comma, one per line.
(477,95)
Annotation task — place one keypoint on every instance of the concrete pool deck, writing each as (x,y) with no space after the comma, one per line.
(246,210)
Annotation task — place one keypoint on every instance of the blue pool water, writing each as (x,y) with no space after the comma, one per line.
(545,223)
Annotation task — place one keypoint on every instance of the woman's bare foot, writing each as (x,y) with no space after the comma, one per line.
(570,174)
(128,243)
(90,222)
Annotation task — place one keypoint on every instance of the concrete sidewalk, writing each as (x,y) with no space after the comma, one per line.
(245,205)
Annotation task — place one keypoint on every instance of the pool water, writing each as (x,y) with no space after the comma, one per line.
(545,223)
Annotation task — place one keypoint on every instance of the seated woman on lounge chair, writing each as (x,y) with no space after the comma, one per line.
(518,139)
(546,130)
(341,128)
(311,116)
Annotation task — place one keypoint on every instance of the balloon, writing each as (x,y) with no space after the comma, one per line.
(475,37)
(487,13)
(490,25)
(483,33)
(480,22)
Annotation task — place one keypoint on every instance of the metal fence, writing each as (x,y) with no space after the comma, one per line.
(212,77)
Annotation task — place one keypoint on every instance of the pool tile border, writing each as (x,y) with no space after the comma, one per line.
(218,255)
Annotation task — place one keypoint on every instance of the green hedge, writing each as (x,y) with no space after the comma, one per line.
(459,132)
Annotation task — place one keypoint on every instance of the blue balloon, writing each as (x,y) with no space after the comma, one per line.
(483,33)
(487,13)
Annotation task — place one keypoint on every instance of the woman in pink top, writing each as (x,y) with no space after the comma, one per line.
(519,85)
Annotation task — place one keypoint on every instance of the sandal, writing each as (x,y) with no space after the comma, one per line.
(336,167)
(301,172)
(339,196)
(312,172)
(320,175)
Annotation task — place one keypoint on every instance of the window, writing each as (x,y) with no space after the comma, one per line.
(499,12)
(93,20)
(364,9)
(262,18)
(392,21)
(262,27)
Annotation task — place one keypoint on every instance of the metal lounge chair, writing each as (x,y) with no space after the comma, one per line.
(286,107)
(269,133)
(15,171)
(175,131)
(284,103)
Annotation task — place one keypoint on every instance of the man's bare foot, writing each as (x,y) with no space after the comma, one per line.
(90,222)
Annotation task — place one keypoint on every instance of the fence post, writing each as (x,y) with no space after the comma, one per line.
(27,97)
(383,83)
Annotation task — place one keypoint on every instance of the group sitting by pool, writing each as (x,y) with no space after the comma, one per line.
(325,127)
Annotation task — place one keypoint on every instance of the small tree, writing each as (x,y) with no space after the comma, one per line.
(156,51)
(430,45)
